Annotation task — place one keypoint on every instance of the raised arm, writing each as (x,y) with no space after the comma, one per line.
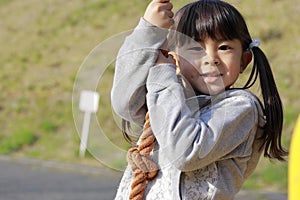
(137,54)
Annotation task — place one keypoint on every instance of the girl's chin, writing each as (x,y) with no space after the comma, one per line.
(212,90)
(210,86)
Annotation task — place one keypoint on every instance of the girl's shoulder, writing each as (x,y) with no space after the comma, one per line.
(244,100)
(241,94)
(227,98)
(237,96)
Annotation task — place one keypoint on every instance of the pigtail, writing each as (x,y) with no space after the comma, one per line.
(272,105)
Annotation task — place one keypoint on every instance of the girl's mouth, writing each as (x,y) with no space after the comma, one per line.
(211,77)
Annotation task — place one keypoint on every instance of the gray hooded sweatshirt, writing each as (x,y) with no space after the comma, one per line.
(205,146)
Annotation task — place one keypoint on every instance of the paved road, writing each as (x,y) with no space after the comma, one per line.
(36,180)
(29,179)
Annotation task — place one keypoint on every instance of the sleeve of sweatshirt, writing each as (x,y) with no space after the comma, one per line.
(137,54)
(226,129)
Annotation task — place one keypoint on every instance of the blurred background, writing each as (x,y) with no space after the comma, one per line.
(44,43)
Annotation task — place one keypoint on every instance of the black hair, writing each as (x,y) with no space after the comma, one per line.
(219,20)
(213,18)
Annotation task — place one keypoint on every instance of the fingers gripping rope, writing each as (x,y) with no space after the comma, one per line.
(143,167)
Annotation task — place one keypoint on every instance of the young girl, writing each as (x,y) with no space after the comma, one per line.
(209,136)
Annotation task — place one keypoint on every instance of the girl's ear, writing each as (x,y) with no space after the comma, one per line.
(176,59)
(246,59)
(174,55)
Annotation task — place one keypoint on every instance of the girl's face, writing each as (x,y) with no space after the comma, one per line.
(212,66)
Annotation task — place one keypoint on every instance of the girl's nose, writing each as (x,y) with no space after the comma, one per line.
(212,58)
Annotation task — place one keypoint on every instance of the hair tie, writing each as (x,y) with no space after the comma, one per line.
(255,43)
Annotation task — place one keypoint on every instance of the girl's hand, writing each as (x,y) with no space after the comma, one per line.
(159,13)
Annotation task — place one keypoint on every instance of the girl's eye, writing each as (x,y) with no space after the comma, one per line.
(224,47)
(196,49)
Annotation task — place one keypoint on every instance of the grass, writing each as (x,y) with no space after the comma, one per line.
(16,141)
(269,176)
(43,47)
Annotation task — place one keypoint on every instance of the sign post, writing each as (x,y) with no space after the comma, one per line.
(88,103)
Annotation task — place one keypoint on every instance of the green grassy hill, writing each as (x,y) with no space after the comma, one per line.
(44,43)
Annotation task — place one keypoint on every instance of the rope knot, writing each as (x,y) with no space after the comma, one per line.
(143,167)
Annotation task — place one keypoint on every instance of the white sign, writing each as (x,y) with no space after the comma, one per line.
(89,101)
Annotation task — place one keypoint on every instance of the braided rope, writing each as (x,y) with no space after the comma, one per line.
(143,167)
